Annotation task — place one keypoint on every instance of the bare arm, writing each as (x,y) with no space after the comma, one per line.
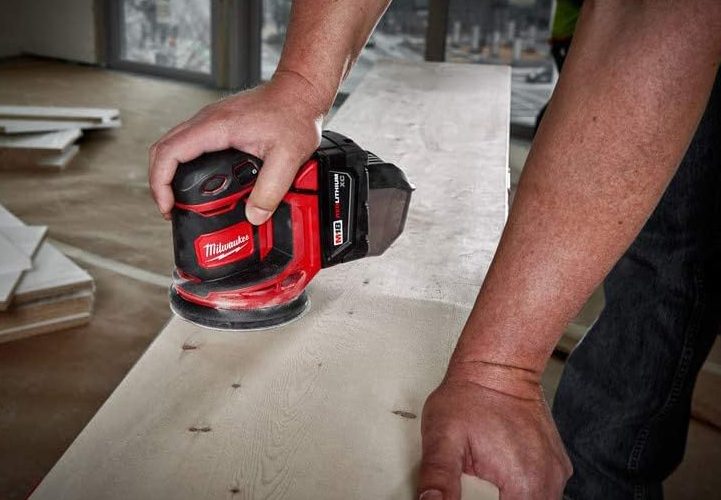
(280,121)
(631,95)
(324,40)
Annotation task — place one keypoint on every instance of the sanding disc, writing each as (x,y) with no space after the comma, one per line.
(239,320)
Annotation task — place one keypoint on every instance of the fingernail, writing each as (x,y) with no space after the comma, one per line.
(256,215)
(431,495)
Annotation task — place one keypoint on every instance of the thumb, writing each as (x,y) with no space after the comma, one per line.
(274,180)
(441,467)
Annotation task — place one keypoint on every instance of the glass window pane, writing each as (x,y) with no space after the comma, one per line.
(400,35)
(169,33)
(514,32)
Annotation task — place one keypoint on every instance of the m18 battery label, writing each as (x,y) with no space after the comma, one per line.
(341,199)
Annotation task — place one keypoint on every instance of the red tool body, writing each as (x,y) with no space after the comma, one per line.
(344,204)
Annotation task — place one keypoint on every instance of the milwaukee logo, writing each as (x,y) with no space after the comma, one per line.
(232,244)
(219,251)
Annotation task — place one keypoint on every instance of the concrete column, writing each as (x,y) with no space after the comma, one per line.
(517,49)
(496,44)
(476,38)
(456,36)
(511,31)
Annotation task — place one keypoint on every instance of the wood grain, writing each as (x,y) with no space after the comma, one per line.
(327,407)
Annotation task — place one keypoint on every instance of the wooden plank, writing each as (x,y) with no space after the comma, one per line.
(27,239)
(327,407)
(40,328)
(14,159)
(8,281)
(60,160)
(52,274)
(59,113)
(12,259)
(37,317)
(8,219)
(15,126)
(44,142)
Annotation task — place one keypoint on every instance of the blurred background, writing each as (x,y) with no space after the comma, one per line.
(177,35)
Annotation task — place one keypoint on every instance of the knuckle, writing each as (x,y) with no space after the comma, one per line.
(161,148)
(158,151)
(222,125)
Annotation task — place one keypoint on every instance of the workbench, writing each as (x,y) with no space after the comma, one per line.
(327,407)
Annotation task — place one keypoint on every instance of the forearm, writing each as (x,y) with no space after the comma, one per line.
(325,37)
(631,95)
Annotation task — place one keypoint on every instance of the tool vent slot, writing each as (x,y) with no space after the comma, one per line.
(373,159)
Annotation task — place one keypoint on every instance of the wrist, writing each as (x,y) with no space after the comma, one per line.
(315,97)
(508,379)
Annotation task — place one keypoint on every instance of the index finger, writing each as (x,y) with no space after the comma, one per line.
(274,180)
(184,145)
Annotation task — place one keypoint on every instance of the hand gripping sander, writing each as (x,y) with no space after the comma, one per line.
(345,203)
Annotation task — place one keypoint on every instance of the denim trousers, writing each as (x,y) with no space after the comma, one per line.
(624,401)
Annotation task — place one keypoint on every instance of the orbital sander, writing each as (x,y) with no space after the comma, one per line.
(345,203)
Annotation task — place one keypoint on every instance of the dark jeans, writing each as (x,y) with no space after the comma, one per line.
(624,401)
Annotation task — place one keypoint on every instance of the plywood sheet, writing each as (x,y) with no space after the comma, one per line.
(52,274)
(45,142)
(14,126)
(27,239)
(327,407)
(8,219)
(19,159)
(27,319)
(12,259)
(48,326)
(58,161)
(58,113)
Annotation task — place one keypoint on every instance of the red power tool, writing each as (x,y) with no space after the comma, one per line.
(344,204)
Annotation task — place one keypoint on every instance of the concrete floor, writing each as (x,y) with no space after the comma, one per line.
(53,384)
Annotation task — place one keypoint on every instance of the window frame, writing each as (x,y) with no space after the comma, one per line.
(235,45)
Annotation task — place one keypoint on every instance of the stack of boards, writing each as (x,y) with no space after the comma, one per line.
(41,290)
(44,137)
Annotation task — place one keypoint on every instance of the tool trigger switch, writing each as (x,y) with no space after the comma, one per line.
(245,172)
